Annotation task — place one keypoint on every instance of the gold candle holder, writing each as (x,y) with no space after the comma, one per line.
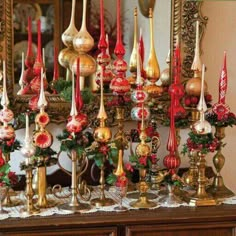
(218,188)
(121,138)
(74,205)
(190,177)
(202,198)
(143,201)
(29,209)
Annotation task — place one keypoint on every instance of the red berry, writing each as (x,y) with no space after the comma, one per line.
(194,100)
(187,101)
(208,98)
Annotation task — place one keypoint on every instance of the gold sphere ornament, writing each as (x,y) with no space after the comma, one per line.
(87,65)
(165,77)
(102,134)
(193,87)
(65,57)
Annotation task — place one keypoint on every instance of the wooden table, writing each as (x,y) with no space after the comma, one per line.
(182,221)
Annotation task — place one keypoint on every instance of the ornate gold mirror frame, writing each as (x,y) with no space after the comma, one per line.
(184,14)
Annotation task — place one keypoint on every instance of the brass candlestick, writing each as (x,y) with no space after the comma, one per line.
(121,139)
(28,151)
(201,198)
(74,205)
(218,188)
(190,177)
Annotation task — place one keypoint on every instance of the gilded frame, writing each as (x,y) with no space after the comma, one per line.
(184,13)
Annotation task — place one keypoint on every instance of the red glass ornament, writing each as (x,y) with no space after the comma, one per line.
(78,98)
(38,62)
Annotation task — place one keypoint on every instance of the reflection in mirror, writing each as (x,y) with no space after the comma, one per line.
(25,18)
(165,16)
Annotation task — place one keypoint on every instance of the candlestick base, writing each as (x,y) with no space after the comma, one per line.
(207,201)
(98,202)
(136,195)
(218,190)
(9,203)
(143,202)
(26,212)
(75,208)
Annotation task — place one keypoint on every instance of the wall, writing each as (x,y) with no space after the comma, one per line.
(221,36)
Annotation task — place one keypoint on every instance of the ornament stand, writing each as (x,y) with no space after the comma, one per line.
(201,127)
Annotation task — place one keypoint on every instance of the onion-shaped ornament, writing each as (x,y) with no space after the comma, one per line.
(120,86)
(139,96)
(136,113)
(42,139)
(6,115)
(74,126)
(87,65)
(7,132)
(42,119)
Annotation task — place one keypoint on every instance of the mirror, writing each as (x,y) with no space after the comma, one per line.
(181,11)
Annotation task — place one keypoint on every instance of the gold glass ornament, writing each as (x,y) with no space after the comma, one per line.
(152,67)
(145,5)
(69,34)
(165,74)
(83,41)
(133,56)
(87,64)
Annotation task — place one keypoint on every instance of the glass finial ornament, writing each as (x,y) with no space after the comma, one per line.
(176,88)
(133,56)
(172,160)
(139,96)
(103,58)
(119,84)
(152,68)
(69,34)
(7,132)
(221,109)
(165,74)
(29,62)
(193,85)
(55,71)
(6,115)
(38,65)
(202,126)
(83,43)
(21,80)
